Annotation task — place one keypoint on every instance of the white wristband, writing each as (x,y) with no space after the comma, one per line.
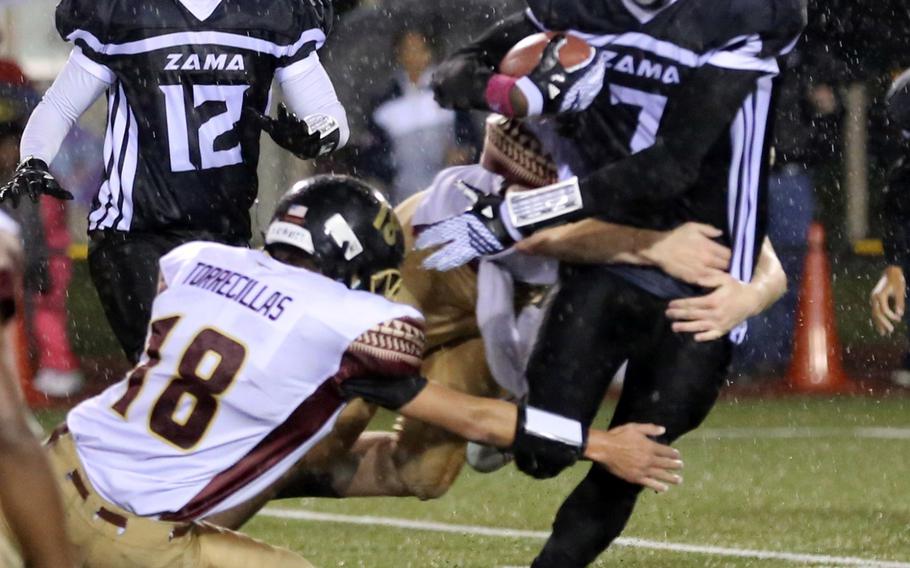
(554,427)
(532,94)
(533,206)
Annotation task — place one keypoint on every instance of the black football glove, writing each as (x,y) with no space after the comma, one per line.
(566,90)
(307,138)
(479,231)
(32,178)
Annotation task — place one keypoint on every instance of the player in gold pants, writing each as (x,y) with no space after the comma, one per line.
(110,537)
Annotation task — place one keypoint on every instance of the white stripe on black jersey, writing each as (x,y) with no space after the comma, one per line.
(121,153)
(748,138)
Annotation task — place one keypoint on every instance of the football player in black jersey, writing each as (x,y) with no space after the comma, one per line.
(890,294)
(188,87)
(676,133)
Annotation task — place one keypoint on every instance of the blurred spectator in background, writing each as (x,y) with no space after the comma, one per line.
(46,238)
(805,135)
(413,138)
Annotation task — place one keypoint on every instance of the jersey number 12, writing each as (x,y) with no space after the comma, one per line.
(197,117)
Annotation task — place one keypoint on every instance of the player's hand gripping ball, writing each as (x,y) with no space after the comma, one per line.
(32,178)
(566,70)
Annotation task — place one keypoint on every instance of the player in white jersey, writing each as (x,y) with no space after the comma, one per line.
(250,358)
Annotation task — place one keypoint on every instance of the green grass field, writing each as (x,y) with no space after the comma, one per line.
(797,476)
(791,476)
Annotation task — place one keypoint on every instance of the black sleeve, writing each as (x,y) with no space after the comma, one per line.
(466,135)
(78,21)
(777,22)
(461,80)
(313,21)
(391,392)
(694,120)
(896,216)
(73,15)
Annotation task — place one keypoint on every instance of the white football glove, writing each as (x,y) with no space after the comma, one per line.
(582,93)
(461,239)
(477,232)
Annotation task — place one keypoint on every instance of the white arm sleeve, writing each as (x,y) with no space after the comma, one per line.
(309,90)
(76,88)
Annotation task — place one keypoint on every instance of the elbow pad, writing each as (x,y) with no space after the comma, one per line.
(388,392)
(546,443)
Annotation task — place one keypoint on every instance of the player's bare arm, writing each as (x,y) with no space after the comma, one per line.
(627,451)
(731,301)
(688,252)
(31,502)
(382,367)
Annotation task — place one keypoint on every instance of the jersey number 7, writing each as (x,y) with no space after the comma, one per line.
(195,141)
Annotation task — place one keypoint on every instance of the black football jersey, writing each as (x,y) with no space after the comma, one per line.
(679,131)
(180,152)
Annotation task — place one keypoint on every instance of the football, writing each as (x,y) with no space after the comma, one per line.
(526,54)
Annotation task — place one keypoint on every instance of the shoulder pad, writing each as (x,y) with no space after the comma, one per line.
(86,15)
(171,263)
(317,14)
(776,22)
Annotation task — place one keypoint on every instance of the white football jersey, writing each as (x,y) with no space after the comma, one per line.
(239,380)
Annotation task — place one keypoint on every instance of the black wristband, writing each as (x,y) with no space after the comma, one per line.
(388,392)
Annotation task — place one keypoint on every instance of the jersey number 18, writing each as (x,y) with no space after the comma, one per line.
(169,418)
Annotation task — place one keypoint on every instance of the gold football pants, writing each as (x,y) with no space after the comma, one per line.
(106,536)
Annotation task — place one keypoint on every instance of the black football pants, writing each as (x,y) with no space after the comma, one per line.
(124,270)
(597,321)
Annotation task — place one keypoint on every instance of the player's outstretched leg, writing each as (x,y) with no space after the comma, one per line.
(672,381)
(429,459)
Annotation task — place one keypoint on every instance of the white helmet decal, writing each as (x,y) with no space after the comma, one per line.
(341,232)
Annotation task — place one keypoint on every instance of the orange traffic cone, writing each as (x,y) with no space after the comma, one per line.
(816,366)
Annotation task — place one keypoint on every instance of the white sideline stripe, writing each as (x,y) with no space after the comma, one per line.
(622,541)
(873,433)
